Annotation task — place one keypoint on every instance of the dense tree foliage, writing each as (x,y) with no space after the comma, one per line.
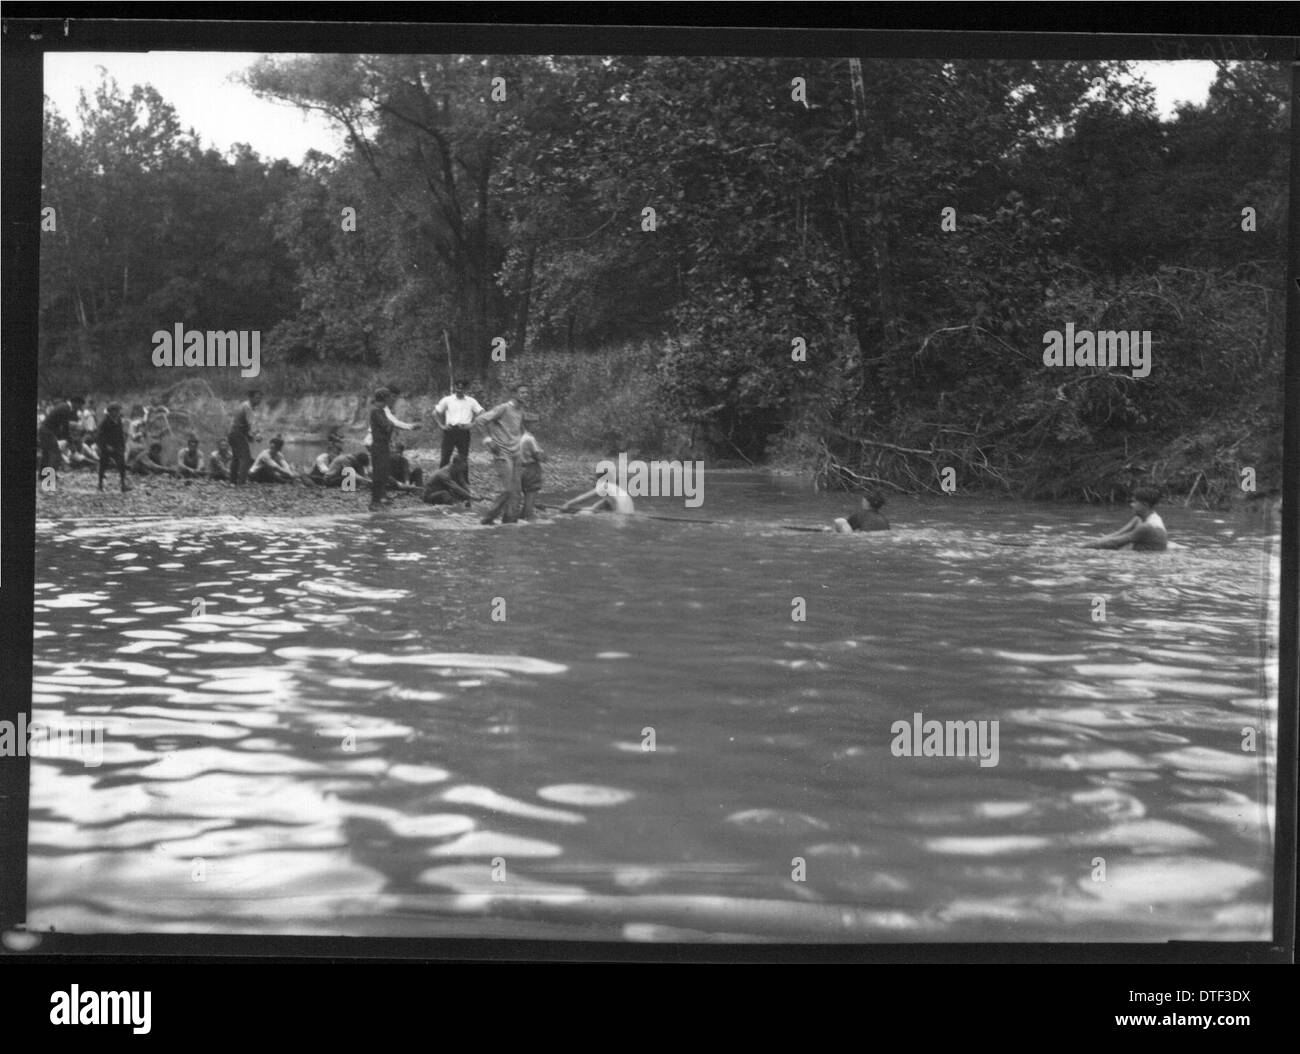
(505,198)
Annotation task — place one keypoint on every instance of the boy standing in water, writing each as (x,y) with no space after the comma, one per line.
(1145,532)
(505,428)
(112,445)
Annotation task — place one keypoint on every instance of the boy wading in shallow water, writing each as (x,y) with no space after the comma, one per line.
(505,429)
(1145,532)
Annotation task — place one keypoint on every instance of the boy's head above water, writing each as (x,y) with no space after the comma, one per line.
(873,500)
(1143,500)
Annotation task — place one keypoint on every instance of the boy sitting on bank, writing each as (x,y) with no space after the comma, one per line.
(1145,532)
(189,462)
(272,466)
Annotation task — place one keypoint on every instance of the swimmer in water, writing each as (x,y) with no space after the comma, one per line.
(1145,532)
(613,498)
(868,518)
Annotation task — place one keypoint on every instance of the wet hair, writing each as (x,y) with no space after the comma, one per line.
(874,499)
(1147,495)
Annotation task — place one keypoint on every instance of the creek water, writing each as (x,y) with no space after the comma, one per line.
(408,724)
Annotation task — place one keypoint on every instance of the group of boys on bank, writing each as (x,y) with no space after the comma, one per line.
(69,436)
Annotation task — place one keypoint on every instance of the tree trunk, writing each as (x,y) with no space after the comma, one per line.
(521,316)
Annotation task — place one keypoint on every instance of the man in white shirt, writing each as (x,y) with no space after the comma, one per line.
(455,414)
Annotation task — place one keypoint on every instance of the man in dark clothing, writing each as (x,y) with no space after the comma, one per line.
(55,427)
(382,423)
(112,444)
(240,438)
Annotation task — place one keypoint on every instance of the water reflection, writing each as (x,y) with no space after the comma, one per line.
(647,746)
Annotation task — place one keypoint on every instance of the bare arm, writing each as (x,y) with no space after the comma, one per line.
(396,423)
(568,505)
(1117,539)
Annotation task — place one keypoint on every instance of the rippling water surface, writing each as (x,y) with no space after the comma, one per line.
(347,741)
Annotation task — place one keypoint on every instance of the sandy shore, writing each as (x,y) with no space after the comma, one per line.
(76,495)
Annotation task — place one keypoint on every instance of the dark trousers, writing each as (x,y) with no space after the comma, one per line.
(455,437)
(241,458)
(380,471)
(50,455)
(118,457)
